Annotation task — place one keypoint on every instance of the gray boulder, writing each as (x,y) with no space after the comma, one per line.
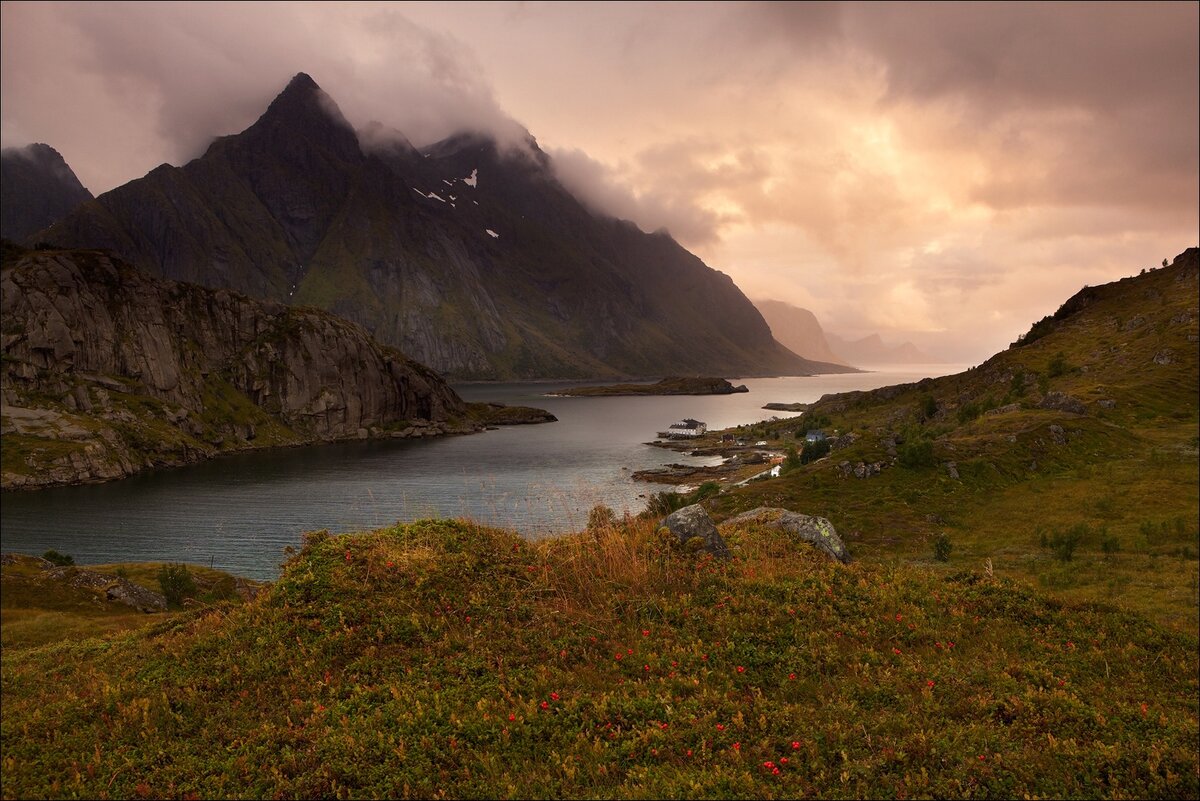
(144,600)
(691,522)
(1062,402)
(816,530)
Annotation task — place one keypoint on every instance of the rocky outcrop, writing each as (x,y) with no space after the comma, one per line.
(114,589)
(1062,402)
(815,530)
(692,522)
(107,370)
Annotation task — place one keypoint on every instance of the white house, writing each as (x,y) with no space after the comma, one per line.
(684,429)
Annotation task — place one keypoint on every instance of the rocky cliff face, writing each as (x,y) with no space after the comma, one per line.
(798,330)
(107,370)
(470,257)
(36,188)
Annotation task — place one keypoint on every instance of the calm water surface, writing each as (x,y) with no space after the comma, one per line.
(240,512)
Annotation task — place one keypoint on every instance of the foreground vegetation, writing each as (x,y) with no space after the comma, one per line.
(444,659)
(1020,620)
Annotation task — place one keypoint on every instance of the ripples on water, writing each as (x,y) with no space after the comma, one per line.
(240,512)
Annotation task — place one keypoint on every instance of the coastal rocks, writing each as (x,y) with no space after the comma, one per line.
(1058,435)
(952,470)
(1165,356)
(108,371)
(1062,402)
(692,522)
(815,530)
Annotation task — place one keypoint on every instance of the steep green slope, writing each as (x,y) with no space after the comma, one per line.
(1086,430)
(440,659)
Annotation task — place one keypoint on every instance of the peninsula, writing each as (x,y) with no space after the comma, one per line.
(673,385)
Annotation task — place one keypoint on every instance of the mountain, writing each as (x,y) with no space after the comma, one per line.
(108,371)
(36,188)
(798,330)
(470,256)
(872,350)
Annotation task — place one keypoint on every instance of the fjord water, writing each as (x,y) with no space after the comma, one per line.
(239,512)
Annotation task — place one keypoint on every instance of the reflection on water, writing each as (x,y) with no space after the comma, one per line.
(241,511)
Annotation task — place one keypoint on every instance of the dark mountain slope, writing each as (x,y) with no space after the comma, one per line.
(36,188)
(470,257)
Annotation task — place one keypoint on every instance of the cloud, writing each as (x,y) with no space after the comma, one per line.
(901,167)
(168,78)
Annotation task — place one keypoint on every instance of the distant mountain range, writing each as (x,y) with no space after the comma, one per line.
(36,188)
(798,330)
(469,256)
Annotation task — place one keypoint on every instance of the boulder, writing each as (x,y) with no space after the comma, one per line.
(816,530)
(691,522)
(140,598)
(1062,402)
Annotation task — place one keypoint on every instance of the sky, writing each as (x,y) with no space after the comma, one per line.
(944,174)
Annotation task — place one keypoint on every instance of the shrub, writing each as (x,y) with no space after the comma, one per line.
(600,518)
(928,408)
(917,454)
(176,583)
(792,461)
(1064,542)
(705,490)
(60,559)
(1058,365)
(814,451)
(1110,545)
(942,547)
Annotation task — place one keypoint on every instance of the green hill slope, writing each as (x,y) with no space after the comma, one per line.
(439,659)
(1086,429)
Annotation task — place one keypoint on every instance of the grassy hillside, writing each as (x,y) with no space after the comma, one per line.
(439,659)
(1051,652)
(1085,431)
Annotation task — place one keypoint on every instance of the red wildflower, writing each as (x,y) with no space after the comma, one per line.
(545,704)
(720,727)
(737,746)
(791,676)
(929,683)
(645,632)
(795,745)
(741,669)
(347,556)
(775,771)
(512,717)
(554,696)
(783,760)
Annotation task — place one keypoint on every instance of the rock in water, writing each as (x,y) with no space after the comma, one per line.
(691,522)
(817,530)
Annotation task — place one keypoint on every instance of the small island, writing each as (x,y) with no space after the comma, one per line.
(786,407)
(674,385)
